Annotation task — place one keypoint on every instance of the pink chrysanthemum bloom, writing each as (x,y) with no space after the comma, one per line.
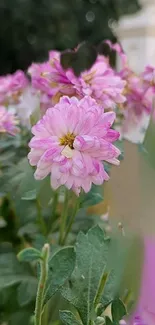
(8,122)
(11,87)
(99,82)
(71,142)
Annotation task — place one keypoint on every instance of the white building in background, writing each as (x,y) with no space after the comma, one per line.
(136,33)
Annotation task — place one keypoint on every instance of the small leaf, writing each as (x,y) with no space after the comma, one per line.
(30,195)
(67,58)
(118,310)
(79,60)
(29,255)
(61,266)
(68,318)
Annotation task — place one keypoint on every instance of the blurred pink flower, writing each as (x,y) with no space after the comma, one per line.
(136,321)
(137,91)
(99,82)
(118,48)
(51,80)
(8,122)
(138,99)
(11,87)
(71,142)
(149,77)
(28,104)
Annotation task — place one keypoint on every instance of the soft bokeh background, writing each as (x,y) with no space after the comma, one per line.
(29,28)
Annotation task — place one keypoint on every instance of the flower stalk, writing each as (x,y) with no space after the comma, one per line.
(64,217)
(71,221)
(42,284)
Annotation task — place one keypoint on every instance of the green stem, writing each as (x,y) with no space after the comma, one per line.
(54,207)
(41,221)
(42,284)
(12,207)
(101,286)
(71,221)
(64,217)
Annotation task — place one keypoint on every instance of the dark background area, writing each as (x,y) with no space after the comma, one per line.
(30,28)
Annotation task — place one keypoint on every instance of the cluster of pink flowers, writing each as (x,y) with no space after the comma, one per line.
(130,93)
(138,90)
(74,136)
(71,141)
(100,82)
(11,87)
(8,121)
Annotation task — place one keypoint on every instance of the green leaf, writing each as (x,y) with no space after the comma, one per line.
(118,310)
(11,271)
(29,255)
(30,195)
(29,228)
(93,197)
(20,317)
(79,60)
(108,321)
(61,266)
(27,292)
(84,287)
(68,318)
(21,179)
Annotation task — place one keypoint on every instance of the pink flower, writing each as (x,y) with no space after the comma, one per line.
(71,142)
(11,87)
(138,99)
(136,321)
(117,47)
(99,82)
(137,91)
(149,77)
(28,105)
(51,80)
(8,122)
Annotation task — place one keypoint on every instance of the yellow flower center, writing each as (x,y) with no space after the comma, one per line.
(67,140)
